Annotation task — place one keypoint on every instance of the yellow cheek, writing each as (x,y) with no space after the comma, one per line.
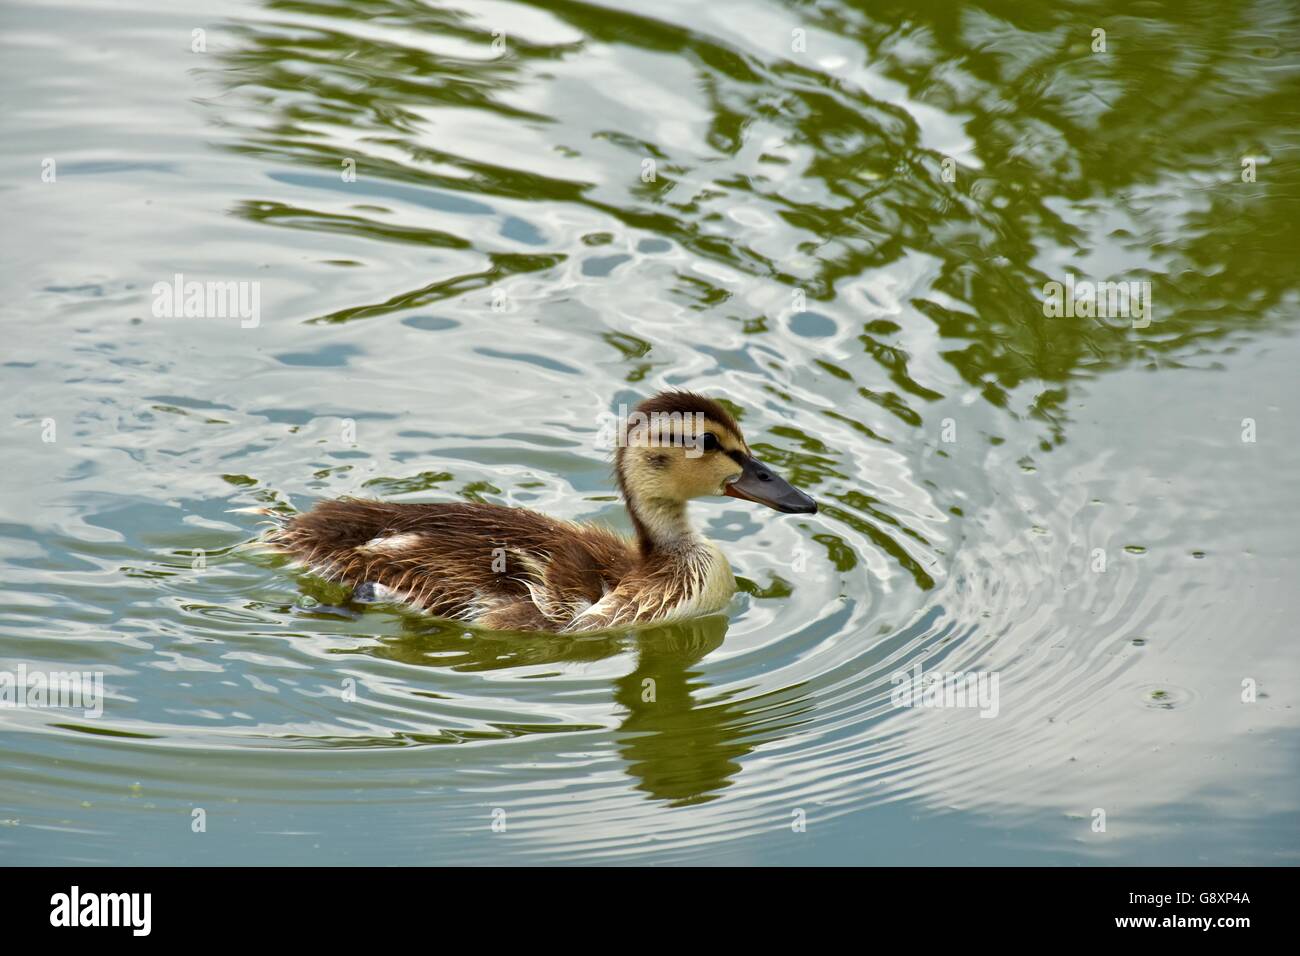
(725,474)
(693,478)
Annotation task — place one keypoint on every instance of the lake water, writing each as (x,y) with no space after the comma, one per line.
(476,229)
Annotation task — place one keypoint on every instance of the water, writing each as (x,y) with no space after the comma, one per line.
(503,270)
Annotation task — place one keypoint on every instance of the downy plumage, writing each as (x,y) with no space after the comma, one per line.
(514,569)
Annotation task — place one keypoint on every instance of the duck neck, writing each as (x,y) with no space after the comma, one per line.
(662,526)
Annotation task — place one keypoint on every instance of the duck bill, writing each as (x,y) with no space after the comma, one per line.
(761,484)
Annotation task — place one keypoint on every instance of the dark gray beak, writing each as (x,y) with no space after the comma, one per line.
(760,483)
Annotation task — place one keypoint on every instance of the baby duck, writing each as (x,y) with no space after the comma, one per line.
(514,569)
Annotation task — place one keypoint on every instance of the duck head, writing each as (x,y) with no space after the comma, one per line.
(679,445)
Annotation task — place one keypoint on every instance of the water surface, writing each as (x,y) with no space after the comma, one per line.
(562,208)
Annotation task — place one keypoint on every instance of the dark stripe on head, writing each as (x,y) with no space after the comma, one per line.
(690,403)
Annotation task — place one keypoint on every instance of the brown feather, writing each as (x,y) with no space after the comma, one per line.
(462,558)
(514,569)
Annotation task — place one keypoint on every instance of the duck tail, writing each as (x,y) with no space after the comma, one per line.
(278,518)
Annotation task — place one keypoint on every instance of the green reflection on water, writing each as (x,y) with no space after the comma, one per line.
(1150,170)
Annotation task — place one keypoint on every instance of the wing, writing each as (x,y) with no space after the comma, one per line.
(502,567)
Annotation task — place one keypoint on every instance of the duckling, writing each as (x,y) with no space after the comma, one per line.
(513,569)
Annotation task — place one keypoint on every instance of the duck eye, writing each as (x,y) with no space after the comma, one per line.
(711,442)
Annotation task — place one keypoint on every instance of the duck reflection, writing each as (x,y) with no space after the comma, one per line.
(680,747)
